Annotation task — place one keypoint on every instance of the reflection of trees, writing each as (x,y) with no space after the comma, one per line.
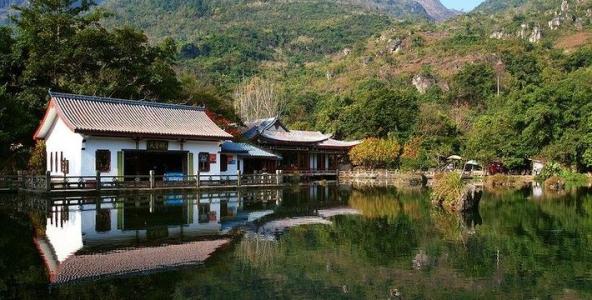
(376,203)
(521,249)
(20,264)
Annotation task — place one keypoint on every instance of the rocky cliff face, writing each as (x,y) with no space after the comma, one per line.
(438,11)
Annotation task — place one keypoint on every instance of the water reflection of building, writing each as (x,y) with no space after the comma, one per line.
(89,238)
(120,235)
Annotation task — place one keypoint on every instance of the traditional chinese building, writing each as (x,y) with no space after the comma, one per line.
(300,150)
(116,137)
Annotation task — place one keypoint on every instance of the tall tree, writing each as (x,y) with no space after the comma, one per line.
(61,45)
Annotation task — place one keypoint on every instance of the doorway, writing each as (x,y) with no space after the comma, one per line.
(141,162)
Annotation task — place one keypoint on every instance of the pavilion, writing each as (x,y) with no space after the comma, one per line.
(300,150)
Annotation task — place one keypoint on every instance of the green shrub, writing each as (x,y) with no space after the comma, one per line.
(556,176)
(549,170)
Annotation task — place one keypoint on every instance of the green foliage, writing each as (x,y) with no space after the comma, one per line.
(553,173)
(474,84)
(230,39)
(37,161)
(61,45)
(379,111)
(582,58)
(549,170)
(492,6)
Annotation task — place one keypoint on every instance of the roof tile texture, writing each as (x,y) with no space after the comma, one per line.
(96,115)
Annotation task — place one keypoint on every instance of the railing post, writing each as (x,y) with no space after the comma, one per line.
(98,180)
(238,178)
(197,178)
(20,183)
(48,181)
(278,177)
(151,179)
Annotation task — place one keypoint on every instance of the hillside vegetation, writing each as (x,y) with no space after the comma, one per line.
(357,71)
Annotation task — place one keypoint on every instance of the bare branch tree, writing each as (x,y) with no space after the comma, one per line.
(258,98)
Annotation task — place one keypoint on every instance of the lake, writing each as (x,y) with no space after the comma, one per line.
(320,241)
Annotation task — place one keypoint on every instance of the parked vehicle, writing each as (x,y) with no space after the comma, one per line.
(496,168)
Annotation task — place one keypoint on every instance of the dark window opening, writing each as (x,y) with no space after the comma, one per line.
(224,162)
(51,161)
(103,160)
(204,162)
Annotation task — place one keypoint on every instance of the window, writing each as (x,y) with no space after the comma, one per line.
(51,161)
(103,160)
(56,161)
(224,162)
(204,162)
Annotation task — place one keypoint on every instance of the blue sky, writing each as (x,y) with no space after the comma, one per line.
(465,5)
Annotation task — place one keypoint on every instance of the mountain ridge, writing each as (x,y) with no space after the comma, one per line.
(437,10)
(397,8)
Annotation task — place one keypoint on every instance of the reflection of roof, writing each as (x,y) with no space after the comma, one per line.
(247,150)
(296,136)
(109,116)
(338,211)
(121,262)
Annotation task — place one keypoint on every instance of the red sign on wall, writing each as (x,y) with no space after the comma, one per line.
(212,158)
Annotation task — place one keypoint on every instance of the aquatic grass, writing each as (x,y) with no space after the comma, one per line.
(447,190)
(257,251)
(502,180)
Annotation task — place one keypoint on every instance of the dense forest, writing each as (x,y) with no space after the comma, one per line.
(508,82)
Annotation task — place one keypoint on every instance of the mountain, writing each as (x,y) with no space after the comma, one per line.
(495,6)
(398,8)
(438,11)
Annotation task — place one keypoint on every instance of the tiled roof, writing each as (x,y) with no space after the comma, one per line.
(296,136)
(109,116)
(265,128)
(339,144)
(255,127)
(247,150)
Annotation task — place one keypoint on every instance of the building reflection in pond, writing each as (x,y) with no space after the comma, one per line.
(101,235)
(113,235)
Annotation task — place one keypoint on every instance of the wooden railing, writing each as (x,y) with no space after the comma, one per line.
(151,181)
(314,172)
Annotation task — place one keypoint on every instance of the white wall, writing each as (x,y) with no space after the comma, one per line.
(196,147)
(234,167)
(61,139)
(114,145)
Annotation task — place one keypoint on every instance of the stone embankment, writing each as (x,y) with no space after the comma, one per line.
(383,177)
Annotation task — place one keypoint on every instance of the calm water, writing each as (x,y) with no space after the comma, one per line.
(316,241)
